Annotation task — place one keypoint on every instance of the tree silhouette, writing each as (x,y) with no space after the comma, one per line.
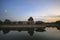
(7,21)
(1,22)
(57,22)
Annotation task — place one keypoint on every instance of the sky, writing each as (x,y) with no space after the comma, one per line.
(21,10)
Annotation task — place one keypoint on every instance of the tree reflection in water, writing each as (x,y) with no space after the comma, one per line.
(31,33)
(5,31)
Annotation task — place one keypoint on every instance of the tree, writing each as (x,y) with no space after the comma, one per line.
(57,22)
(7,21)
(1,22)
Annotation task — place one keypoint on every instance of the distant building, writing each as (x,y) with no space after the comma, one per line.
(30,20)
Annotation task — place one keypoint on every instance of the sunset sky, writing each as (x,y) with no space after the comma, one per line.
(21,10)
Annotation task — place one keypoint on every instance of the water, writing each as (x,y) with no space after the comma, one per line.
(49,34)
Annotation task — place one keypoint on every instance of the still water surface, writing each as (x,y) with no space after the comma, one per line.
(49,34)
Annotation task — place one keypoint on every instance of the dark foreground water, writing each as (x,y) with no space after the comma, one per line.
(49,34)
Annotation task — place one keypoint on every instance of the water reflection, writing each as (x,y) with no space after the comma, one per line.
(49,34)
(5,31)
(30,31)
